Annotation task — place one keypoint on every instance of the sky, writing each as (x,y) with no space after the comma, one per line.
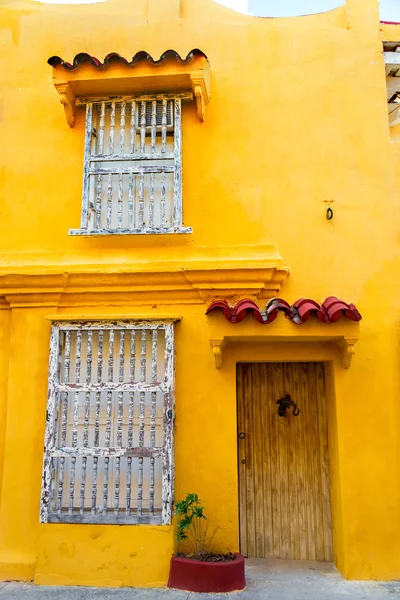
(390,9)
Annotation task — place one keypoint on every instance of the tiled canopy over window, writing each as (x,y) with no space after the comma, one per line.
(132,172)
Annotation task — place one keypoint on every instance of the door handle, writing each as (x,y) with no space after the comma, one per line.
(242,435)
(284,405)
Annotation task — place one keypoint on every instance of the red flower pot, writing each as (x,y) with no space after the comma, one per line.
(199,576)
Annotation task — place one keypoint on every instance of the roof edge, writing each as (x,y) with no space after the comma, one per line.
(142,55)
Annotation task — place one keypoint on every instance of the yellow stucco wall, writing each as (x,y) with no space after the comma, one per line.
(297,116)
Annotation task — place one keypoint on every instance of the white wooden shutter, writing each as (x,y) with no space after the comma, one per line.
(132,180)
(109,434)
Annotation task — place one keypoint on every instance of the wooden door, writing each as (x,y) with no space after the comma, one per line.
(283,462)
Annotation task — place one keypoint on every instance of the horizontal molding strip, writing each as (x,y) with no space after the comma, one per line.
(101,519)
(81,101)
(150,277)
(111,387)
(115,319)
(145,231)
(107,452)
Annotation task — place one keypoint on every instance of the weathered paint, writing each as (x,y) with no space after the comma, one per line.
(177,210)
(101,118)
(87,403)
(50,428)
(168,427)
(86,166)
(250,187)
(106,451)
(57,450)
(153,414)
(134,230)
(82,100)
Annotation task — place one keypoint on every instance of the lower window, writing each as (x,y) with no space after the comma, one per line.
(108,452)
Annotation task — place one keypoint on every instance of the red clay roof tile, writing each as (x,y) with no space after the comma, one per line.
(330,311)
(83,57)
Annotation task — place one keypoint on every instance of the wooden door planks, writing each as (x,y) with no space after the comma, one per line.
(272,450)
(241,459)
(258,462)
(266,462)
(284,481)
(249,466)
(324,464)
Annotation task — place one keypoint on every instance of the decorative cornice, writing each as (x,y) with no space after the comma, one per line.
(237,282)
(160,284)
(21,290)
(115,316)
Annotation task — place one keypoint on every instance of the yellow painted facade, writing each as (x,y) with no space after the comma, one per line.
(297,117)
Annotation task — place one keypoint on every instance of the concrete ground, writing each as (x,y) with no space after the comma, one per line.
(266,580)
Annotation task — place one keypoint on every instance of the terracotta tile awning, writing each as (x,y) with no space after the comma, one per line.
(88,79)
(330,311)
(83,58)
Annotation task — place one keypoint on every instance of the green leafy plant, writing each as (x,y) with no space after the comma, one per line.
(191,524)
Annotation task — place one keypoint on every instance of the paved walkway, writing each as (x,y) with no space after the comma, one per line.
(266,580)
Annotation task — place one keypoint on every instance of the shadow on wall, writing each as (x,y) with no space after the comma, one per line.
(390,9)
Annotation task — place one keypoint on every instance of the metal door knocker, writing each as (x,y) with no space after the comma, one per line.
(284,405)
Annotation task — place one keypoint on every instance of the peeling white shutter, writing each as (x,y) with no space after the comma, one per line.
(132,180)
(109,432)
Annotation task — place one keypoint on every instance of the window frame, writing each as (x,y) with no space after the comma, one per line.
(166,452)
(88,171)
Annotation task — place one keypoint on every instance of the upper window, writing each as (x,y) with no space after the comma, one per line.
(132,180)
(132,176)
(108,441)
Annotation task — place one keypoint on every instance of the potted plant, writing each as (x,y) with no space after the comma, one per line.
(203,569)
